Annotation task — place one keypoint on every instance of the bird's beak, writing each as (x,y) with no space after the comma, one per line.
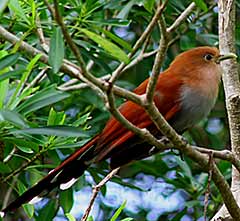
(225,57)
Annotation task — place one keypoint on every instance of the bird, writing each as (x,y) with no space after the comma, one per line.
(185,93)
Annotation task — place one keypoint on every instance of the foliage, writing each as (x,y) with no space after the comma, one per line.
(41,125)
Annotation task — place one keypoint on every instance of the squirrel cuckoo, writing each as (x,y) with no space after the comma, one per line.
(184,94)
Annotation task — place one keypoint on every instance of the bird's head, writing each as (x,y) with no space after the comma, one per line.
(201,57)
(199,68)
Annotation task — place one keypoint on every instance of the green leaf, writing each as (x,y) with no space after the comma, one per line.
(66,200)
(17,9)
(123,14)
(70,217)
(25,149)
(13,117)
(117,39)
(33,12)
(28,208)
(3,91)
(72,145)
(9,60)
(48,212)
(62,131)
(187,42)
(22,144)
(127,219)
(148,5)
(11,74)
(56,118)
(20,85)
(56,52)
(5,61)
(185,167)
(119,210)
(113,22)
(111,48)
(201,4)
(4,168)
(82,120)
(90,218)
(41,99)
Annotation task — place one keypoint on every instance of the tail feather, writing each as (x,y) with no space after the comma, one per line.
(72,167)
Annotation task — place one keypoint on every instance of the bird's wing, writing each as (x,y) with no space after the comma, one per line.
(114,135)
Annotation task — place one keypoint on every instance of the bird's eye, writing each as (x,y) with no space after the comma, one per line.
(208,57)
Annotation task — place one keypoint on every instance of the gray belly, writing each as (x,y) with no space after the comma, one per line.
(194,107)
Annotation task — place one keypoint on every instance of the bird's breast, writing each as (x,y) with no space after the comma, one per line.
(194,106)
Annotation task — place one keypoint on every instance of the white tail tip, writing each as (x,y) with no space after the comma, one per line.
(34,200)
(67,185)
(2,214)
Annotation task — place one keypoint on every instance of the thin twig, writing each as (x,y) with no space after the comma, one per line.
(182,17)
(40,34)
(163,46)
(171,134)
(208,190)
(96,190)
(221,154)
(40,76)
(139,58)
(76,52)
(140,41)
(21,168)
(69,85)
(68,67)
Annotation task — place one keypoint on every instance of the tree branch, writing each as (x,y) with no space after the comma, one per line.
(159,120)
(227,20)
(140,41)
(96,190)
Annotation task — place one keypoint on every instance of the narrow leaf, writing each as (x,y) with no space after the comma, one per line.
(4,168)
(13,117)
(9,60)
(22,144)
(3,91)
(148,5)
(56,52)
(48,212)
(41,99)
(127,219)
(63,131)
(118,22)
(111,48)
(66,200)
(70,217)
(201,4)
(117,39)
(11,74)
(28,208)
(123,14)
(17,9)
(23,80)
(56,118)
(119,210)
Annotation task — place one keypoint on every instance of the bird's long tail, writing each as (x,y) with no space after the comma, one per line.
(71,168)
